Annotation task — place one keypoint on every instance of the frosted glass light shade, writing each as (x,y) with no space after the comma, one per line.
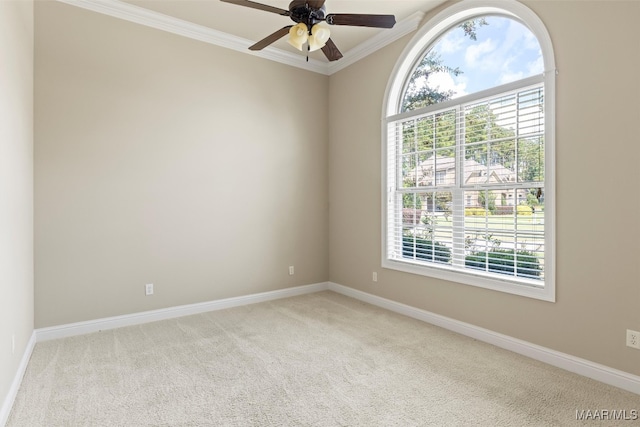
(298,35)
(319,36)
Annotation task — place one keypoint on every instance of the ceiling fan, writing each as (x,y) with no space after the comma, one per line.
(310,16)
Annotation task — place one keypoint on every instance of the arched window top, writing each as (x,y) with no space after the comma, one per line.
(477,54)
(507,21)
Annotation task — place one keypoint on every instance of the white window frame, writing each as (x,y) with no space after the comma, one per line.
(425,38)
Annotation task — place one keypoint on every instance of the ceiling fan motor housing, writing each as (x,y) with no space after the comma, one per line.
(300,11)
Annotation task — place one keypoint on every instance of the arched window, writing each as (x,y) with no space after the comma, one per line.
(469,147)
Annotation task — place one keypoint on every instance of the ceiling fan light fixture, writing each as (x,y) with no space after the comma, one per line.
(319,36)
(298,35)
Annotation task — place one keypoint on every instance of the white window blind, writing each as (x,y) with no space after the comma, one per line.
(465,185)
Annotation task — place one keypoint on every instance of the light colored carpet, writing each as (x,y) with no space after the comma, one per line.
(315,360)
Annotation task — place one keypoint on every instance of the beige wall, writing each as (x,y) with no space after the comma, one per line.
(160,159)
(598,232)
(16,186)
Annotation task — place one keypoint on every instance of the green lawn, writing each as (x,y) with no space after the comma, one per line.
(530,228)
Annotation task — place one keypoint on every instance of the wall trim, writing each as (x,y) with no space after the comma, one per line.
(159,21)
(89,326)
(7,404)
(586,368)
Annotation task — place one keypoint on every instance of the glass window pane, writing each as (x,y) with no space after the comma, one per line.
(408,137)
(426,131)
(475,165)
(531,160)
(431,239)
(425,170)
(446,129)
(409,171)
(502,159)
(445,167)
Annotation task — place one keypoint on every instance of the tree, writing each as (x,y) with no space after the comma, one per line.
(531,160)
(469,27)
(418,93)
(411,201)
(481,126)
(487,200)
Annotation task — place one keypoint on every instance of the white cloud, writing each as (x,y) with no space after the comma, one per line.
(445,82)
(537,66)
(507,72)
(476,52)
(451,43)
(530,41)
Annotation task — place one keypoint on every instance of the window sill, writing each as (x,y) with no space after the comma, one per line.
(525,288)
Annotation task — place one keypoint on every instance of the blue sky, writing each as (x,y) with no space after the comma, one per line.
(505,51)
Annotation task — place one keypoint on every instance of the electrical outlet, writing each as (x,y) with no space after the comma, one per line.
(375,276)
(148,289)
(291,270)
(633,339)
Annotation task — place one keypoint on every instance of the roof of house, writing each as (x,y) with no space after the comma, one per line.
(474,172)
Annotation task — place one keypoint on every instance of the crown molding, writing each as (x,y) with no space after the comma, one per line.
(159,21)
(377,42)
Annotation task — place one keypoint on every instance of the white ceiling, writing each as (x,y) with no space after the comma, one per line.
(254,25)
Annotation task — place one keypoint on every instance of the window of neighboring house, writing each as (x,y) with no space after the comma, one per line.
(471,105)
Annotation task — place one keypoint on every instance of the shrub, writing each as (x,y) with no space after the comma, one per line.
(523,210)
(475,212)
(487,200)
(417,247)
(412,201)
(502,261)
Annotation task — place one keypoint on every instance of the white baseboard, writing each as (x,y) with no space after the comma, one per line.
(604,374)
(80,328)
(5,409)
(586,368)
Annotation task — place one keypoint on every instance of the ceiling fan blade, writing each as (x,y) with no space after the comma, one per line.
(271,38)
(258,6)
(361,20)
(331,51)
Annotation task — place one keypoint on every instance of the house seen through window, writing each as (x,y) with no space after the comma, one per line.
(467,155)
